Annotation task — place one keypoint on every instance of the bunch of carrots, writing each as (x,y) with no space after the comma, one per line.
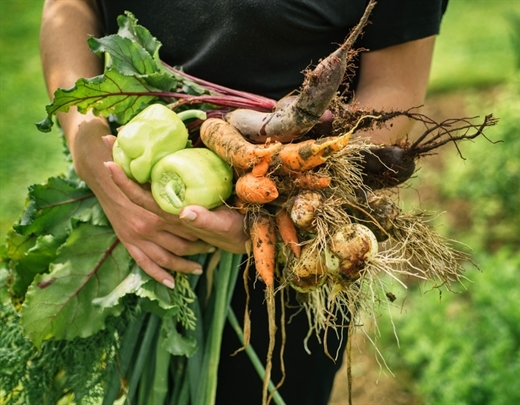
(273,165)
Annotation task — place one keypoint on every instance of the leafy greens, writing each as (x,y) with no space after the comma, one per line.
(134,77)
(80,315)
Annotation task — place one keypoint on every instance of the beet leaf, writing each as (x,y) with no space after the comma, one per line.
(58,304)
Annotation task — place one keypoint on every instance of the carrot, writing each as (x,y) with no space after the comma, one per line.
(287,230)
(232,147)
(271,316)
(310,181)
(319,87)
(306,155)
(261,168)
(263,238)
(256,189)
(263,241)
(240,205)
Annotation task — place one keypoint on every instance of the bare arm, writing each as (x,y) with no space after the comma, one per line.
(65,56)
(395,78)
(156,241)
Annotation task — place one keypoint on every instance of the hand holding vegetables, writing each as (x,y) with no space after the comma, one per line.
(184,177)
(156,242)
(195,230)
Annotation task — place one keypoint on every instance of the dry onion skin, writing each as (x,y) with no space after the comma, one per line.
(309,271)
(303,210)
(351,247)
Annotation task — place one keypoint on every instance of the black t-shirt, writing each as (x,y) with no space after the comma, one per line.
(262,46)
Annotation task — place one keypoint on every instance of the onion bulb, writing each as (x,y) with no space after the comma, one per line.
(350,248)
(303,210)
(309,271)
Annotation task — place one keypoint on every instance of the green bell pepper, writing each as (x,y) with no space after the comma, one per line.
(151,135)
(194,176)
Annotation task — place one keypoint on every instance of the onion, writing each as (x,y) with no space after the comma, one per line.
(353,245)
(332,261)
(303,210)
(383,210)
(309,271)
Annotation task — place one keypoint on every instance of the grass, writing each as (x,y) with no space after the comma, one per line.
(27,156)
(476,46)
(461,348)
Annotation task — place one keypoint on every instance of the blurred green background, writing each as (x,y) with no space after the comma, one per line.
(27,156)
(463,349)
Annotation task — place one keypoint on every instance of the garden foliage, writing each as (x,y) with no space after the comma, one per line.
(465,348)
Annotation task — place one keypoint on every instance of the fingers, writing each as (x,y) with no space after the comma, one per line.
(152,235)
(134,191)
(221,227)
(160,274)
(140,195)
(196,230)
(109,141)
(163,254)
(157,241)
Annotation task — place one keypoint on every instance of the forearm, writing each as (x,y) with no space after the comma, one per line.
(65,28)
(379,98)
(395,78)
(65,55)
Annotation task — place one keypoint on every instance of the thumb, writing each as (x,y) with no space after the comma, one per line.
(109,141)
(220,220)
(194,215)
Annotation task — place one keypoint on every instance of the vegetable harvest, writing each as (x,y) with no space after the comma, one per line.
(151,147)
(317,207)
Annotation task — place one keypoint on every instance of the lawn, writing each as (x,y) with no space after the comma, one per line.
(475,46)
(27,156)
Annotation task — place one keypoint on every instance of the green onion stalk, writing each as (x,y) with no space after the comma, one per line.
(155,375)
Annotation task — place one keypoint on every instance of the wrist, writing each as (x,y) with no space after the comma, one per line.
(84,135)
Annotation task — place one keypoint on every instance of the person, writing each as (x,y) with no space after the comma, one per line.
(252,45)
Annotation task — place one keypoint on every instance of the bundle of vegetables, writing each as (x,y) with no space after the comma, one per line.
(317,198)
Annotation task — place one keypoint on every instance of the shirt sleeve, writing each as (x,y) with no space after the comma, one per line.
(394,22)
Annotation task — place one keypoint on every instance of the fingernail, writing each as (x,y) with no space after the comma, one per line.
(197,272)
(169,283)
(105,139)
(108,167)
(188,215)
(212,249)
